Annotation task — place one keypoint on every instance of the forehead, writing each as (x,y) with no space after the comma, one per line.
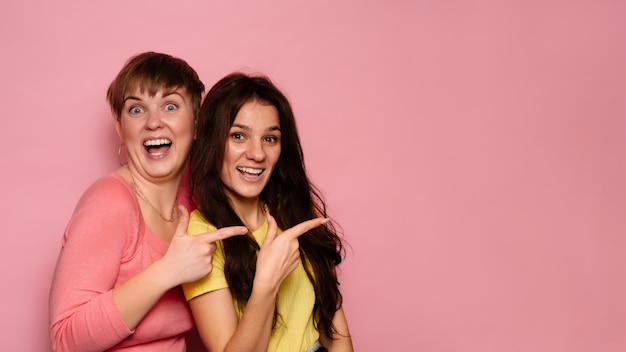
(257,114)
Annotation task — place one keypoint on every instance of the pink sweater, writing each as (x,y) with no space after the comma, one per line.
(105,243)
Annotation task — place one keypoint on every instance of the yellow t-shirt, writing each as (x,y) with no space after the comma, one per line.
(294,330)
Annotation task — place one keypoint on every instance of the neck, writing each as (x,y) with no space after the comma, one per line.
(250,211)
(161,197)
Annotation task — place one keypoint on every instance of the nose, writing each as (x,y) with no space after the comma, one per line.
(255,151)
(154,120)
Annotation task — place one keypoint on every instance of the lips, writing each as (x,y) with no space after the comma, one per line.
(157,147)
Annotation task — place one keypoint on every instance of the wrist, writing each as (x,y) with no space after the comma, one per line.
(264,288)
(162,275)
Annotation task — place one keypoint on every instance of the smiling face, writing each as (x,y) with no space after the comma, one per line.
(252,151)
(157,131)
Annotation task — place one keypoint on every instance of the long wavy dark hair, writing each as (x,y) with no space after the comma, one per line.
(289,195)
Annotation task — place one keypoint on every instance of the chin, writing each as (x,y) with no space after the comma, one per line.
(247,194)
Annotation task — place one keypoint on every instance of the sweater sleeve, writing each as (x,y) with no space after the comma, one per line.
(100,235)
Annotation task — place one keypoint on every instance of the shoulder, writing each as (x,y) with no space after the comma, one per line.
(107,214)
(110,197)
(112,185)
(199,224)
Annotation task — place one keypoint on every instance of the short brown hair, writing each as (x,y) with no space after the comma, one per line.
(152,72)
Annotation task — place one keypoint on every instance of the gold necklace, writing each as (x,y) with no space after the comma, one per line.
(143,196)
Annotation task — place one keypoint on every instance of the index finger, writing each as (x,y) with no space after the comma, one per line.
(297,230)
(224,233)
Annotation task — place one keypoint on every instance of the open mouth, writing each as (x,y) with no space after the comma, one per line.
(248,171)
(157,146)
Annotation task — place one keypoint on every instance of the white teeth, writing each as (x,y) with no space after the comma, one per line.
(157,142)
(250,170)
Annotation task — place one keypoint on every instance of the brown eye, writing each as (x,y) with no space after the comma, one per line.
(237,136)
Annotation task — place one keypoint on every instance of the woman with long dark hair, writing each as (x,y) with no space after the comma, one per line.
(271,290)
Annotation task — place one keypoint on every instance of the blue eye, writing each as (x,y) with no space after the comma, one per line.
(171,107)
(135,110)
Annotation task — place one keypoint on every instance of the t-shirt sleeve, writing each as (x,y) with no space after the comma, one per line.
(215,280)
(99,236)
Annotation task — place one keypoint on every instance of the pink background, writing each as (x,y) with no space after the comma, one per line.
(473,152)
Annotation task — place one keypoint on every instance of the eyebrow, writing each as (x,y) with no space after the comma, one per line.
(246,128)
(165,95)
(131,97)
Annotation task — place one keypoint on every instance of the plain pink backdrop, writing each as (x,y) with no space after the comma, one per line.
(473,152)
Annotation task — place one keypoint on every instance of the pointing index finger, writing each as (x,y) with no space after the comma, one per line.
(297,230)
(225,233)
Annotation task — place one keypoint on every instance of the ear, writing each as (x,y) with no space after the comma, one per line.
(118,128)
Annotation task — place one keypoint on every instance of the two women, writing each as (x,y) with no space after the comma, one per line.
(125,251)
(268,291)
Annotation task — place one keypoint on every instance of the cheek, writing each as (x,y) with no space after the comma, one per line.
(227,168)
(233,152)
(182,124)
(275,157)
(224,176)
(130,135)
(272,164)
(186,129)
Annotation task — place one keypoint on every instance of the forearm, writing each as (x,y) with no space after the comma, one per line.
(255,327)
(341,341)
(138,295)
(72,327)
(90,317)
(339,344)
